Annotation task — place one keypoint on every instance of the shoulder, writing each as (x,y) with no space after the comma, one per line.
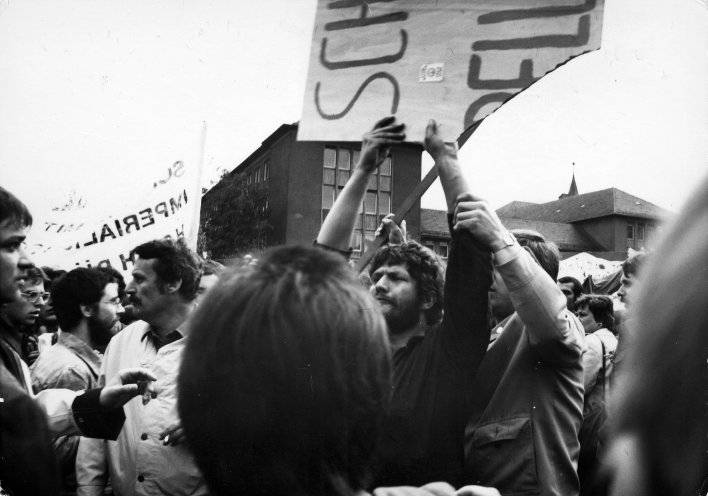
(130,334)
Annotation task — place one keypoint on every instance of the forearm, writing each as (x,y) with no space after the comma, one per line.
(337,228)
(452,180)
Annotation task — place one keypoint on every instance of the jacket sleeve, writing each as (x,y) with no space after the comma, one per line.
(592,361)
(465,317)
(553,332)
(91,467)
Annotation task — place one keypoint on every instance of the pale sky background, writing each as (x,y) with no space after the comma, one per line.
(93,93)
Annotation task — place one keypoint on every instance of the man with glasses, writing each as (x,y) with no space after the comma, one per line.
(18,317)
(87,306)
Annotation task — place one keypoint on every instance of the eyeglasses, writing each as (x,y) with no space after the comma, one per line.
(33,296)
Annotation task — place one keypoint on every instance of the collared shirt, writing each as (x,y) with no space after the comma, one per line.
(138,461)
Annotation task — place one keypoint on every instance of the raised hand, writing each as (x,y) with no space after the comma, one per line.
(375,144)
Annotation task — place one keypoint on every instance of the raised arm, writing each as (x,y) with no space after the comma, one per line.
(445,155)
(337,228)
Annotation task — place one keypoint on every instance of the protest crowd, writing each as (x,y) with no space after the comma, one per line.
(486,375)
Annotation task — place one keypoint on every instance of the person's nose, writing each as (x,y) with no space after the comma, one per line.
(120,310)
(130,288)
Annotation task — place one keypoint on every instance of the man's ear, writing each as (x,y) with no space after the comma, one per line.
(173,287)
(429,300)
(86,310)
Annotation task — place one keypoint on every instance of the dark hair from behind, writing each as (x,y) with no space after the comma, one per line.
(633,264)
(424,267)
(78,287)
(12,208)
(174,261)
(545,252)
(600,307)
(575,284)
(285,378)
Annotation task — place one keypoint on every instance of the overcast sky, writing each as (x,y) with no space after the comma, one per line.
(94,93)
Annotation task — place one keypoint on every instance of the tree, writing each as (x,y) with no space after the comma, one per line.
(234,218)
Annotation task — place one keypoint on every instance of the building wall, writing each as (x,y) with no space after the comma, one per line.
(304,211)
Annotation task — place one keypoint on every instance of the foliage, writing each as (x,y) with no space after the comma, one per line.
(234,218)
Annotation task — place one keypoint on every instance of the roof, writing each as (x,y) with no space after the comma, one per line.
(567,236)
(603,203)
(434,222)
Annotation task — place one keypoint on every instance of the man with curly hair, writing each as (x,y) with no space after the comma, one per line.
(435,352)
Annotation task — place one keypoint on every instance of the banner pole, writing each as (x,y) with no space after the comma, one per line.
(408,203)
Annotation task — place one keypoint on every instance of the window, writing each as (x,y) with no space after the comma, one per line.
(650,232)
(266,170)
(442,249)
(640,231)
(630,231)
(258,175)
(338,162)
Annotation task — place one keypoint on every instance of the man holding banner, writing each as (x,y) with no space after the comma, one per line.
(435,354)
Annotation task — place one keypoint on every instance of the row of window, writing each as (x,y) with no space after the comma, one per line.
(259,173)
(338,162)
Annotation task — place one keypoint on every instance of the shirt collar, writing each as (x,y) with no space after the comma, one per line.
(81,349)
(157,341)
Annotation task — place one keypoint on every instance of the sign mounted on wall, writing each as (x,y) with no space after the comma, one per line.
(455,61)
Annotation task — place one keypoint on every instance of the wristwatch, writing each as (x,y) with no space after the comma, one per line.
(508,239)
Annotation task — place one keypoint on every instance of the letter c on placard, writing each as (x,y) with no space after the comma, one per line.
(373,77)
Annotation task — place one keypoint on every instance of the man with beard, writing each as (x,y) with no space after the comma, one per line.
(87,306)
(149,456)
(435,353)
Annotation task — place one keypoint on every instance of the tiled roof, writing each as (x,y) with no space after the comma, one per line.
(603,203)
(567,236)
(433,222)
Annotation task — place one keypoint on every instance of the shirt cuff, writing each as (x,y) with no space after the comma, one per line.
(507,254)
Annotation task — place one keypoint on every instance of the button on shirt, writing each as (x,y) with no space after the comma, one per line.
(138,461)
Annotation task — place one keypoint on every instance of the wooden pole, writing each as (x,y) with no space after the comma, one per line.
(407,204)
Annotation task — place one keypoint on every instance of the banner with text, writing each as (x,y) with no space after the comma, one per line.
(455,61)
(74,234)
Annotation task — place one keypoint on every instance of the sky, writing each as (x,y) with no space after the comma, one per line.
(95,93)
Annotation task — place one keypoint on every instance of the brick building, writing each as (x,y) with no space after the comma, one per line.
(604,223)
(303,178)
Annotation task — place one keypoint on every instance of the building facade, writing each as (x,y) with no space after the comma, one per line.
(302,179)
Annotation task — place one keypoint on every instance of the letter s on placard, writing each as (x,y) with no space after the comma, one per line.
(373,77)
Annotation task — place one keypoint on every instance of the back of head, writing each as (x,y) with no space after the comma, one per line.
(545,252)
(601,308)
(662,394)
(285,378)
(78,287)
(13,210)
(424,267)
(174,261)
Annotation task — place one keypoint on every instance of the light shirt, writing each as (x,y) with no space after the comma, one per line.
(138,462)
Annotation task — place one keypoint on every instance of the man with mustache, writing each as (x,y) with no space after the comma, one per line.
(87,306)
(435,353)
(149,456)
